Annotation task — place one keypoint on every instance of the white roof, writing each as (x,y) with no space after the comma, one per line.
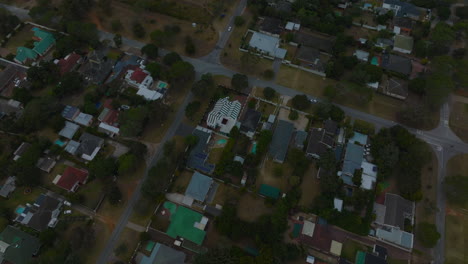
(308,228)
(374,85)
(69,130)
(361,55)
(336,248)
(367,182)
(83,119)
(292,26)
(224,114)
(369,169)
(72,146)
(109,128)
(338,204)
(271,119)
(149,94)
(267,44)
(310,260)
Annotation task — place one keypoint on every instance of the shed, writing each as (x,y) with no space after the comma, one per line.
(269,191)
(308,228)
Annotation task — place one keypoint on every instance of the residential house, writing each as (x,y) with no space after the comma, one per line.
(292,26)
(161,254)
(331,127)
(139,78)
(69,130)
(405,9)
(267,45)
(322,42)
(198,189)
(361,55)
(383,43)
(8,187)
(395,63)
(44,41)
(354,155)
(396,88)
(97,66)
(369,175)
(25,55)
(46,164)
(83,119)
(299,139)
(269,123)
(359,138)
(198,155)
(21,150)
(319,143)
(338,204)
(403,44)
(43,213)
(109,119)
(17,246)
(271,26)
(283,6)
(280,142)
(224,115)
(402,25)
(70,112)
(369,258)
(391,218)
(250,122)
(10,108)
(72,147)
(311,58)
(71,179)
(89,146)
(128,61)
(69,63)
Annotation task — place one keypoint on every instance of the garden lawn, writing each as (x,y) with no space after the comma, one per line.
(459,120)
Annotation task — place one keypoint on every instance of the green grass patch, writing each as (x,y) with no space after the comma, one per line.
(364,127)
(350,249)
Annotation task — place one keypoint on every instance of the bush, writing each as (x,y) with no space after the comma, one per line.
(192,108)
(269,93)
(293,115)
(301,102)
(150,50)
(427,234)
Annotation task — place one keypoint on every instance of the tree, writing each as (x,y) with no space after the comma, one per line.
(102,168)
(442,36)
(357,177)
(25,170)
(190,140)
(418,86)
(239,21)
(301,102)
(239,82)
(44,74)
(105,6)
(154,69)
(427,234)
(192,108)
(455,188)
(133,121)
(118,40)
(75,9)
(159,37)
(114,194)
(150,50)
(182,71)
(138,30)
(7,22)
(145,237)
(293,115)
(205,87)
(171,58)
(116,25)
(36,114)
(127,163)
(71,83)
(83,33)
(190,48)
(462,12)
(269,93)
(22,94)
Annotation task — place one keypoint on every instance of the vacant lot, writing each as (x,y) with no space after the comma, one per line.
(251,206)
(350,249)
(456,225)
(225,193)
(267,175)
(300,123)
(426,209)
(126,244)
(310,187)
(459,120)
(20,39)
(302,81)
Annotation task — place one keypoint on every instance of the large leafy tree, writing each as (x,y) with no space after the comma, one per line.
(239,82)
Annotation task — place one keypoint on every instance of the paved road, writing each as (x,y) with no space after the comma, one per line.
(445,143)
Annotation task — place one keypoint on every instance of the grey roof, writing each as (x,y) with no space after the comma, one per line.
(353,159)
(8,187)
(198,155)
(199,186)
(69,130)
(163,254)
(250,121)
(88,143)
(397,209)
(384,42)
(69,112)
(299,139)
(8,107)
(45,164)
(267,44)
(373,259)
(380,251)
(396,63)
(397,87)
(21,246)
(311,56)
(319,142)
(97,67)
(406,9)
(283,6)
(403,22)
(22,149)
(315,40)
(40,213)
(281,138)
(72,147)
(361,55)
(271,25)
(14,75)
(330,126)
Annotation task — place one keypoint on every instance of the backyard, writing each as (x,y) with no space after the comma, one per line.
(456,225)
(251,207)
(350,249)
(426,209)
(269,174)
(19,39)
(310,187)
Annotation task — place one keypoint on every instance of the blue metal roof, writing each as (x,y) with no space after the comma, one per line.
(199,186)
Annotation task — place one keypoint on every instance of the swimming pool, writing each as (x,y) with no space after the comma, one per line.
(59,142)
(221,141)
(19,210)
(162,85)
(375,61)
(254,148)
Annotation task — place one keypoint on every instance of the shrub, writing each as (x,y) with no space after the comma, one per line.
(269,93)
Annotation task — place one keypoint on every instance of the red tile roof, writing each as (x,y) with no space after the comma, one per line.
(138,75)
(72,176)
(111,118)
(107,103)
(66,64)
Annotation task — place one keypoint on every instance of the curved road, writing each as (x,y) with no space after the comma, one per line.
(444,142)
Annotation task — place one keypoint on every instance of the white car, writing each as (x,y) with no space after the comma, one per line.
(67,212)
(67,203)
(229,29)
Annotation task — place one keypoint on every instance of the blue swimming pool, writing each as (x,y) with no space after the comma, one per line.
(254,148)
(59,142)
(19,210)
(221,141)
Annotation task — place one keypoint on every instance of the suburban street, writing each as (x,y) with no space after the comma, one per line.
(443,141)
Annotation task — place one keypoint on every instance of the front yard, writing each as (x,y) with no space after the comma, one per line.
(459,120)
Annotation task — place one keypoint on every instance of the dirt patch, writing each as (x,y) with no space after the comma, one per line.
(299,124)
(225,193)
(268,175)
(251,206)
(182,181)
(426,209)
(310,187)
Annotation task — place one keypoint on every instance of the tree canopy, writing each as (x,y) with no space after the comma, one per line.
(301,102)
(239,82)
(150,50)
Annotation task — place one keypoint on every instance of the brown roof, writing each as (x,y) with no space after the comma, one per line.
(319,41)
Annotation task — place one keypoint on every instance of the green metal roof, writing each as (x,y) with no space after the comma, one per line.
(269,191)
(360,257)
(403,42)
(21,246)
(23,54)
(182,225)
(46,40)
